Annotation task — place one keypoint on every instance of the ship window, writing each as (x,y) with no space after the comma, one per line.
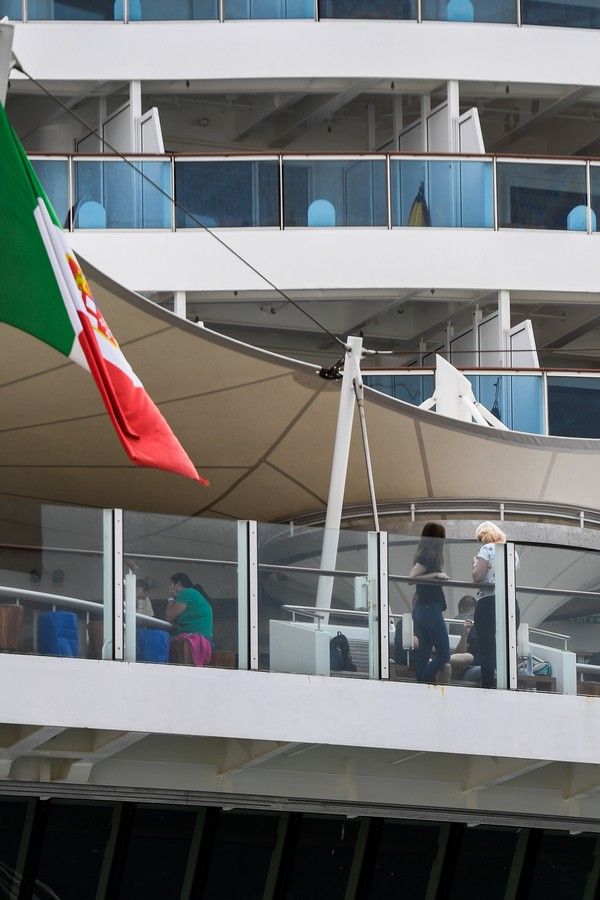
(248,839)
(404,860)
(12,820)
(72,850)
(483,863)
(562,866)
(157,854)
(323,857)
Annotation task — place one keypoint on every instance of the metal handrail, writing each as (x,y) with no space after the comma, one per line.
(558,592)
(184,156)
(86,606)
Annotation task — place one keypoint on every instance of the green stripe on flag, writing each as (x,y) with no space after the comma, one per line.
(30,298)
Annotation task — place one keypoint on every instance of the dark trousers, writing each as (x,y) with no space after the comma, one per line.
(484,620)
(431,631)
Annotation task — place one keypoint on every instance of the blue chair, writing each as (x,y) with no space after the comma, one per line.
(460,11)
(321,214)
(90,214)
(577,219)
(152,645)
(57,634)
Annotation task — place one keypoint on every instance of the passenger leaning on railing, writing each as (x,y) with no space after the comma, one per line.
(488,534)
(429,605)
(191,613)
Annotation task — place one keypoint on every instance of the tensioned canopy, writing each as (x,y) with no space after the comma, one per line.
(259,426)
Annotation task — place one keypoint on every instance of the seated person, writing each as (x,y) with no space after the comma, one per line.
(466,653)
(142,600)
(191,614)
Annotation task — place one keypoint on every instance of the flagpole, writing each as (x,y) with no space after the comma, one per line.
(6,40)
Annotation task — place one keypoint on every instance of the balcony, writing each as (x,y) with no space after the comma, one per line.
(565,14)
(543,402)
(96,585)
(365,191)
(480,222)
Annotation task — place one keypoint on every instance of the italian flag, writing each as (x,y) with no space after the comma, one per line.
(44,292)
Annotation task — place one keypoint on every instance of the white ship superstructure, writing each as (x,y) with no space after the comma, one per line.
(275,177)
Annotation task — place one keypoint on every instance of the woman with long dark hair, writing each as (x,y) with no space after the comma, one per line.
(429,606)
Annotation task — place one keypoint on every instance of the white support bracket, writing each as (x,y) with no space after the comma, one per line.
(453,396)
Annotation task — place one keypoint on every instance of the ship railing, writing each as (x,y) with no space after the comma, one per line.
(133,12)
(85,580)
(393,190)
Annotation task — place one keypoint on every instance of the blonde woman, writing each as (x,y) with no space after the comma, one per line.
(489,535)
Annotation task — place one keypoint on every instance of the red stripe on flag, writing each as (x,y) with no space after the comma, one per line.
(140,426)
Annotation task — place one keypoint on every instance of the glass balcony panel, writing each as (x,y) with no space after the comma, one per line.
(540,195)
(517,400)
(574,406)
(51,592)
(566,14)
(421,626)
(114,194)
(75,10)
(470,10)
(411,388)
(442,193)
(294,631)
(367,9)
(12,9)
(558,597)
(157,547)
(269,9)
(228,194)
(333,192)
(170,10)
(595,200)
(54,175)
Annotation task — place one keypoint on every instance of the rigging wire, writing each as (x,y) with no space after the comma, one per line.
(19,68)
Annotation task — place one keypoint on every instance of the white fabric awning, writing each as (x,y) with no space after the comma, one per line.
(259,426)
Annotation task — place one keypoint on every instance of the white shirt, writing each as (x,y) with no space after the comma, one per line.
(488,553)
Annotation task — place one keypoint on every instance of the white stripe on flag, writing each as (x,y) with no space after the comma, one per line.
(44,224)
(109,351)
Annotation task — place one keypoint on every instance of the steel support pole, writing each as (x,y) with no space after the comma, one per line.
(511,598)
(112,571)
(339,468)
(247,596)
(501,617)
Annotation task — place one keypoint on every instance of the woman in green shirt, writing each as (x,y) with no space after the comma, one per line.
(187,608)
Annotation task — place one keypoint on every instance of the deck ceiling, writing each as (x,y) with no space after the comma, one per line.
(259,426)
